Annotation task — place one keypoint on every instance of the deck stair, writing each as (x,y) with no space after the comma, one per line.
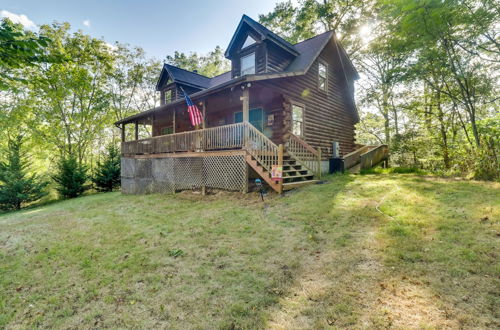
(365,157)
(263,154)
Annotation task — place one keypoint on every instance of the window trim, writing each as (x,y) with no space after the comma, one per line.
(303,106)
(254,64)
(171,96)
(322,62)
(263,112)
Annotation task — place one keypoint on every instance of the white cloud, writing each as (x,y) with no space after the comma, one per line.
(21,19)
(86,23)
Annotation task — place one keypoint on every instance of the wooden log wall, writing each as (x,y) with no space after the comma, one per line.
(328,116)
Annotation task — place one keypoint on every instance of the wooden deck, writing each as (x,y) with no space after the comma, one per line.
(297,162)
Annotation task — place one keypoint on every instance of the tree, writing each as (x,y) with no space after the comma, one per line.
(18,49)
(71,101)
(210,65)
(132,81)
(71,178)
(447,39)
(17,187)
(107,173)
(297,22)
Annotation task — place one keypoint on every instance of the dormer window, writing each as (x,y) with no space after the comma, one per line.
(168,96)
(248,42)
(248,64)
(322,76)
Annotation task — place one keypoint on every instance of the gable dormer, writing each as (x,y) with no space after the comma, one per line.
(174,80)
(254,49)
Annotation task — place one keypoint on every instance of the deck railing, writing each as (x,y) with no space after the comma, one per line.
(216,138)
(260,147)
(304,153)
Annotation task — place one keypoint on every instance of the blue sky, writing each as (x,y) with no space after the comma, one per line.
(158,26)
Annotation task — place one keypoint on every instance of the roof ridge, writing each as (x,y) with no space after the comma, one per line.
(318,35)
(220,74)
(174,66)
(268,30)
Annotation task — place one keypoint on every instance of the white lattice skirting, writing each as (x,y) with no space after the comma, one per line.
(170,174)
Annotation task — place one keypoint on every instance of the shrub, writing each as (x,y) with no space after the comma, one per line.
(16,186)
(107,173)
(70,177)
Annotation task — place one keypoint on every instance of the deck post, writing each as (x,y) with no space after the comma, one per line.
(319,163)
(136,131)
(280,164)
(203,109)
(173,120)
(246,104)
(245,182)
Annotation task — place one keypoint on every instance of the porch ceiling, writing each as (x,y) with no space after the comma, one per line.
(196,97)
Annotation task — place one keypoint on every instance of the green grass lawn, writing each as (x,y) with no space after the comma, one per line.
(369,251)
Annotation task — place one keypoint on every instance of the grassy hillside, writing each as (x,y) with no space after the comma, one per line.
(369,251)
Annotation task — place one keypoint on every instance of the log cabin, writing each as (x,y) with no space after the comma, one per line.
(279,114)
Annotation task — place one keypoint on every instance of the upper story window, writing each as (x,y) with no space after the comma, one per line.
(168,96)
(297,120)
(249,41)
(248,64)
(322,76)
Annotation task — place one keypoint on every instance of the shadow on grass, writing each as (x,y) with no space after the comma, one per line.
(443,235)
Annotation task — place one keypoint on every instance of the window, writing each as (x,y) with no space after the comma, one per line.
(167,130)
(322,76)
(248,64)
(297,120)
(168,96)
(256,118)
(248,42)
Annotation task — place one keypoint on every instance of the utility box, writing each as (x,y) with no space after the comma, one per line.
(336,165)
(335,149)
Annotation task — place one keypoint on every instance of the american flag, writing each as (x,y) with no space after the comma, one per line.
(194,113)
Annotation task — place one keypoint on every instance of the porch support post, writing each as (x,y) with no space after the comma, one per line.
(123,132)
(246,104)
(203,109)
(136,131)
(173,120)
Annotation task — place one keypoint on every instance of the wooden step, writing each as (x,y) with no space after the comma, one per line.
(295,170)
(293,185)
(299,176)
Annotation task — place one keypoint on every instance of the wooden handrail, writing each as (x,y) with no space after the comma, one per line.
(305,154)
(304,144)
(260,147)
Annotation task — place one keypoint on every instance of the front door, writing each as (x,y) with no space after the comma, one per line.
(256,117)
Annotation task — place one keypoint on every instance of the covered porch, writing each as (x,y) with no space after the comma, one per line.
(167,129)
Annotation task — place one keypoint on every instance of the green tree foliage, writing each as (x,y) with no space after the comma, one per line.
(17,186)
(107,172)
(297,21)
(70,98)
(428,74)
(18,49)
(70,178)
(210,65)
(132,81)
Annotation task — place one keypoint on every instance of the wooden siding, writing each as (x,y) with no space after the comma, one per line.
(328,116)
(277,59)
(176,92)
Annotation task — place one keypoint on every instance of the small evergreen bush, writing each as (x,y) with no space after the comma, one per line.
(107,173)
(16,186)
(71,178)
